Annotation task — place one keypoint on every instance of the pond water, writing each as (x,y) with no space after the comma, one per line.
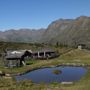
(46,75)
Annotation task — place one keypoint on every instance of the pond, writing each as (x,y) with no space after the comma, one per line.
(47,75)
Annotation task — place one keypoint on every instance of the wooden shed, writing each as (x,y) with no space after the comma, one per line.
(17,58)
(45,54)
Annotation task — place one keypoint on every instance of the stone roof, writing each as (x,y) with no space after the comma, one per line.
(15,54)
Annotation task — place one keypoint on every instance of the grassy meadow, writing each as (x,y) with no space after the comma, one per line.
(67,55)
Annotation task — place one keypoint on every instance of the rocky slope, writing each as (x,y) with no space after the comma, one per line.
(69,31)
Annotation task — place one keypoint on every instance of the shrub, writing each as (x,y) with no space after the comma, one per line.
(57,72)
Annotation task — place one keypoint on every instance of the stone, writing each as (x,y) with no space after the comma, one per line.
(66,82)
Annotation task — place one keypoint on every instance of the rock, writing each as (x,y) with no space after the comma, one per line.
(7,75)
(1,72)
(67,83)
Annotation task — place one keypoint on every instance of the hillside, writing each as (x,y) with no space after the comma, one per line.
(22,35)
(69,31)
(63,31)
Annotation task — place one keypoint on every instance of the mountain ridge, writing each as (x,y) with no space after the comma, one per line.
(69,32)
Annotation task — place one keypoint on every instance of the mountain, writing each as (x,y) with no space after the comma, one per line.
(22,35)
(63,31)
(69,32)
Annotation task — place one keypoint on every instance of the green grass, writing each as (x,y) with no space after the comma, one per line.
(68,55)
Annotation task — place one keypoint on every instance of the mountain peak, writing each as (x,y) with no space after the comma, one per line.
(82,17)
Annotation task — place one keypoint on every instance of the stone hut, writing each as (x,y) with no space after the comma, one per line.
(81,46)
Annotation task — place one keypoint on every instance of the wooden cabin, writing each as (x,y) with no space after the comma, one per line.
(44,54)
(17,58)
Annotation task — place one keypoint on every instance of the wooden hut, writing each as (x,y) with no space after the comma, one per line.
(16,58)
(45,54)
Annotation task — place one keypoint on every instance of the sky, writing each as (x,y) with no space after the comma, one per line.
(35,14)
